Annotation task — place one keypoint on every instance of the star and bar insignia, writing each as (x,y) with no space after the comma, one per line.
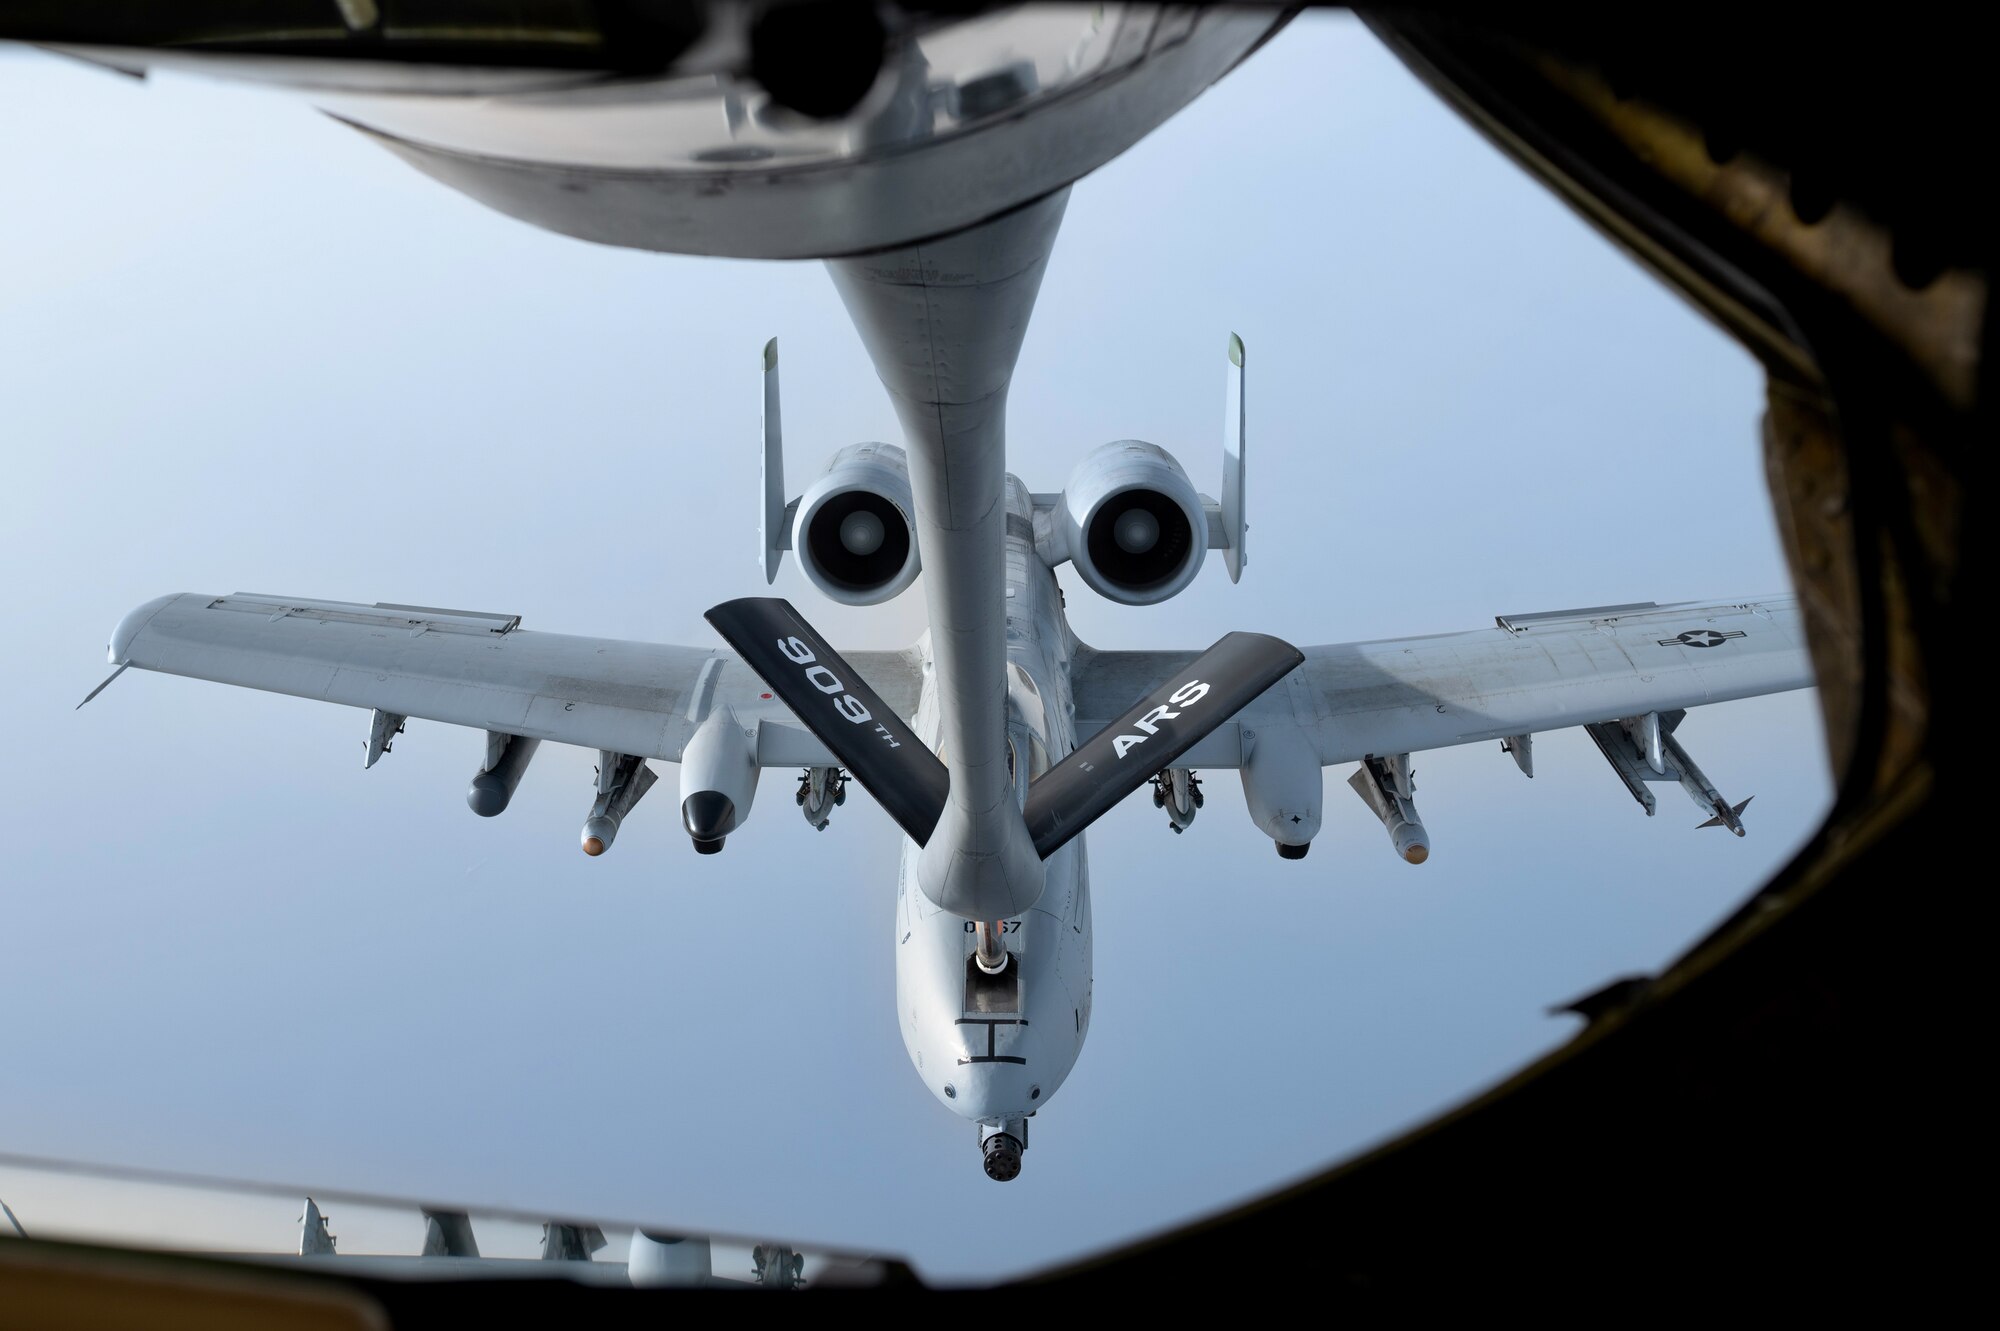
(1701,638)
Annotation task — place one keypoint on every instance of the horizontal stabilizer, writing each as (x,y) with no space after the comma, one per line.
(1125,755)
(1234,471)
(832,700)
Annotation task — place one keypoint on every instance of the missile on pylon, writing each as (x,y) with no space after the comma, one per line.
(622,780)
(1387,786)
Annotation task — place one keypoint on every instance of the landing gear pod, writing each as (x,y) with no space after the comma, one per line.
(506,760)
(718,781)
(1001,1146)
(1282,786)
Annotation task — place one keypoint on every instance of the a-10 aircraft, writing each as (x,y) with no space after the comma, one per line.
(992,919)
(996,739)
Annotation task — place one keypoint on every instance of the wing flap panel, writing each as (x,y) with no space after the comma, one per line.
(386,614)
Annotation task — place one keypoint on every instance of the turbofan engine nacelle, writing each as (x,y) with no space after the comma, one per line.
(852,533)
(1134,525)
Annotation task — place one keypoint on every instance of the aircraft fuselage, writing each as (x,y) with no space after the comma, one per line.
(994,1049)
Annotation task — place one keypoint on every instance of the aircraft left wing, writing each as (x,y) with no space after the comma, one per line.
(482,671)
(1626,673)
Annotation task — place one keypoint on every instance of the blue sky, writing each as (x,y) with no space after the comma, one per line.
(240,348)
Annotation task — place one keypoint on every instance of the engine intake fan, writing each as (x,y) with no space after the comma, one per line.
(852,534)
(1136,527)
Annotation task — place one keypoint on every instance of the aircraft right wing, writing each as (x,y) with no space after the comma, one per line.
(1626,673)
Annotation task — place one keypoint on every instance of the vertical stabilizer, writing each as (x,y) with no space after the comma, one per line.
(1234,465)
(771,521)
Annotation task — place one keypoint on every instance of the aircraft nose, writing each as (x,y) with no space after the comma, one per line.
(994,1090)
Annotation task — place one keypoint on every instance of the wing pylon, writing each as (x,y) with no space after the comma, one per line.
(1643,750)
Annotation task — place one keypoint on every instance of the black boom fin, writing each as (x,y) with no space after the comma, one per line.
(832,700)
(1123,756)
(881,752)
